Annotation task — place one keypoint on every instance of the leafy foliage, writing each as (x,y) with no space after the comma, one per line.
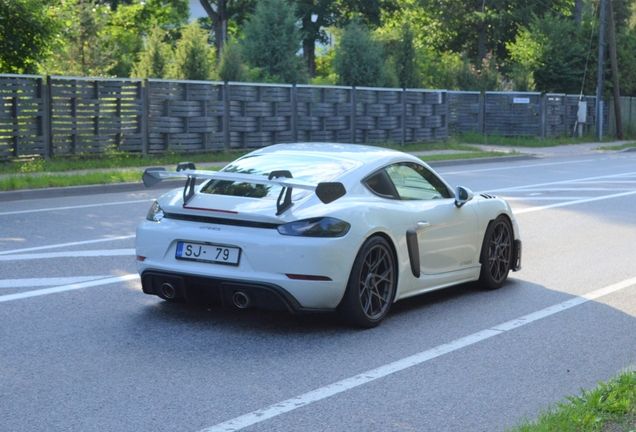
(193,58)
(405,57)
(154,59)
(129,23)
(551,49)
(358,59)
(26,35)
(86,49)
(272,40)
(231,65)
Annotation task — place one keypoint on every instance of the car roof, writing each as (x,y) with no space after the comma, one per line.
(361,153)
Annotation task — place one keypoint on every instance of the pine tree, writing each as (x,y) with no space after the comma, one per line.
(193,58)
(231,66)
(405,59)
(272,39)
(153,60)
(358,59)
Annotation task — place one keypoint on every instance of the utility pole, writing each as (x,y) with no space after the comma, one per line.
(611,40)
(600,72)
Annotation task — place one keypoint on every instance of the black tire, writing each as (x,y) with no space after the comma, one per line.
(496,254)
(372,283)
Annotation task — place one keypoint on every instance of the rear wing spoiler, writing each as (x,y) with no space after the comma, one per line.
(327,192)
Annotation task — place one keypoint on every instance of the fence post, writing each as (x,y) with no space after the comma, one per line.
(226,115)
(294,113)
(144,89)
(48,117)
(403,120)
(542,116)
(481,116)
(447,114)
(354,109)
(46,122)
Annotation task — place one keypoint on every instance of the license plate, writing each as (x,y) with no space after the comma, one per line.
(207,252)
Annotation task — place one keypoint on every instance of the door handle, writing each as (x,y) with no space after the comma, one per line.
(422,224)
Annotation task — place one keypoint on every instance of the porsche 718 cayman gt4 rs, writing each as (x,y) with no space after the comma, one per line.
(321,227)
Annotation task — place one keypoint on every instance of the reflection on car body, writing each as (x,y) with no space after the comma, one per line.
(321,227)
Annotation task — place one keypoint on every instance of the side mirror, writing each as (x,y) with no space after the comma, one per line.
(462,196)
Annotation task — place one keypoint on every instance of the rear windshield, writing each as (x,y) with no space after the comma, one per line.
(308,168)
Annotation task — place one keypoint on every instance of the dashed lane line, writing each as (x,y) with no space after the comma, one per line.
(319,394)
(69,254)
(62,245)
(73,207)
(70,287)
(52,281)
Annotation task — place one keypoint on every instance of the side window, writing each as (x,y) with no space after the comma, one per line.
(414,182)
(381,185)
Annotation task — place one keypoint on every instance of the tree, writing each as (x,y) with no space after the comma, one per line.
(193,58)
(231,66)
(26,35)
(316,15)
(552,49)
(405,57)
(221,11)
(128,24)
(272,40)
(86,49)
(153,60)
(358,59)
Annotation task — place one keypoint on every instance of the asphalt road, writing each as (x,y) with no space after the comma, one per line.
(82,348)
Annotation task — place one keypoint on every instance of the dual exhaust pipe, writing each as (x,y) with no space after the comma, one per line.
(240,299)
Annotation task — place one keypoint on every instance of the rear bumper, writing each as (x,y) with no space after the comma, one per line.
(188,287)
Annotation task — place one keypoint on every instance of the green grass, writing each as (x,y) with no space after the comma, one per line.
(610,407)
(31,181)
(476,138)
(619,147)
(109,161)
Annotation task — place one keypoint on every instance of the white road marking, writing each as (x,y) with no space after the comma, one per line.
(71,287)
(288,405)
(62,245)
(575,181)
(74,207)
(533,197)
(38,282)
(569,203)
(503,168)
(71,254)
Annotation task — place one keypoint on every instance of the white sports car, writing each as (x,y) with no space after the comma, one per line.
(321,227)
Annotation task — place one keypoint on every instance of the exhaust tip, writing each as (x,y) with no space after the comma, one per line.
(168,291)
(241,300)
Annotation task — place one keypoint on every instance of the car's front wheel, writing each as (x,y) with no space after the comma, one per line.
(496,254)
(372,283)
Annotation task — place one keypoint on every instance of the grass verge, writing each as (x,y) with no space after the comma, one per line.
(32,181)
(610,407)
(619,147)
(63,172)
(533,142)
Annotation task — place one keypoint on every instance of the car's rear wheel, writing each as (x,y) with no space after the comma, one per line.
(496,254)
(372,283)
